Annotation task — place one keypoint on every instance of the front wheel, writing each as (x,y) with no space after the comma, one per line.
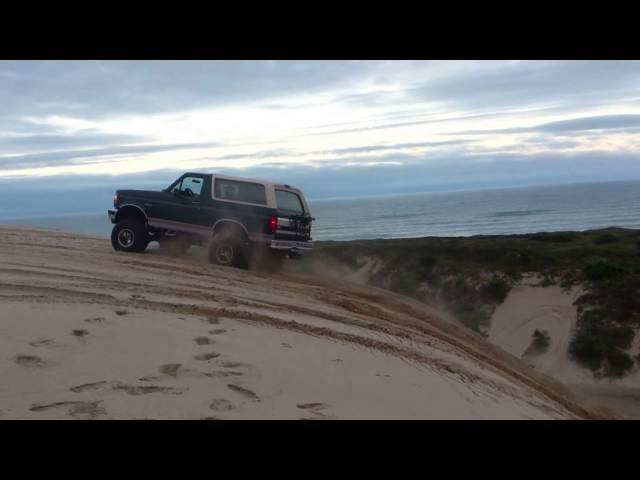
(129,236)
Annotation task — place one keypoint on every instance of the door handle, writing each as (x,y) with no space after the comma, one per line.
(147,204)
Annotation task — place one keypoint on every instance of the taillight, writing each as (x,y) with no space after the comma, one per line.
(115,201)
(272,226)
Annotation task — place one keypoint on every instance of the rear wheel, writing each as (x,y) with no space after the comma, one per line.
(130,235)
(227,249)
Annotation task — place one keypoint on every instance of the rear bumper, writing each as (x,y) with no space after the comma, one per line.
(112,216)
(291,245)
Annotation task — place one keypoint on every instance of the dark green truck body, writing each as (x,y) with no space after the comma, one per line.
(199,206)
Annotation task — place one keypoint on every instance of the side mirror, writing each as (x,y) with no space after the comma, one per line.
(177,193)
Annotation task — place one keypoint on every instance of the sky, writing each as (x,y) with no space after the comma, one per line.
(333,128)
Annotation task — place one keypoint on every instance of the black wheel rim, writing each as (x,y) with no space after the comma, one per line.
(224,254)
(126,238)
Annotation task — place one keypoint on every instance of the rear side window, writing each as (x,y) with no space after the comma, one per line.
(240,191)
(289,202)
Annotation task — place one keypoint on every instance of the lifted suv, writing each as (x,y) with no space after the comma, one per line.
(239,219)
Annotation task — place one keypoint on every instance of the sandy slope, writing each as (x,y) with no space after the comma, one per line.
(529,307)
(86,332)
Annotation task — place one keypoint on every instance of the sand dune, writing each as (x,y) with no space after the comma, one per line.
(86,332)
(529,307)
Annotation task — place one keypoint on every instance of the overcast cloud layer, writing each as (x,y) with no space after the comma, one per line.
(334,128)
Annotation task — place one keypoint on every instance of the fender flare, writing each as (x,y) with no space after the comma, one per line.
(229,220)
(134,206)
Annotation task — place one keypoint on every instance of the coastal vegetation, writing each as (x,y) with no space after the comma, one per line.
(470,276)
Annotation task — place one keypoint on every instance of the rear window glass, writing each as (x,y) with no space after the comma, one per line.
(289,202)
(240,191)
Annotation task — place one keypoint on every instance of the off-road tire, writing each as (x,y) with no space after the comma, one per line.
(227,249)
(130,235)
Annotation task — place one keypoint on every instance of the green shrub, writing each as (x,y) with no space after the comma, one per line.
(553,237)
(541,339)
(547,281)
(596,344)
(495,291)
(602,270)
(617,363)
(426,264)
(540,343)
(605,238)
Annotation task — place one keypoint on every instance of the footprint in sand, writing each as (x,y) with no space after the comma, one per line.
(94,320)
(146,389)
(316,409)
(87,410)
(135,390)
(121,312)
(32,361)
(245,392)
(94,386)
(284,344)
(79,333)
(170,369)
(77,409)
(217,331)
(221,405)
(203,341)
(46,342)
(206,356)
(233,364)
(223,374)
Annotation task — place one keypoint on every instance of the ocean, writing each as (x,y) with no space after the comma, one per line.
(464,213)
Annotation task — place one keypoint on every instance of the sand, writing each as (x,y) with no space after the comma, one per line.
(530,306)
(89,333)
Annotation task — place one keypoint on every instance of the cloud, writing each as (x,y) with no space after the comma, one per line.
(55,142)
(96,89)
(396,146)
(395,110)
(521,83)
(627,122)
(96,155)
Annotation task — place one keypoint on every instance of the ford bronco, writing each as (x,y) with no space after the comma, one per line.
(240,220)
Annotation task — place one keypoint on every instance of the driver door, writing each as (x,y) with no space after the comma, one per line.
(184,201)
